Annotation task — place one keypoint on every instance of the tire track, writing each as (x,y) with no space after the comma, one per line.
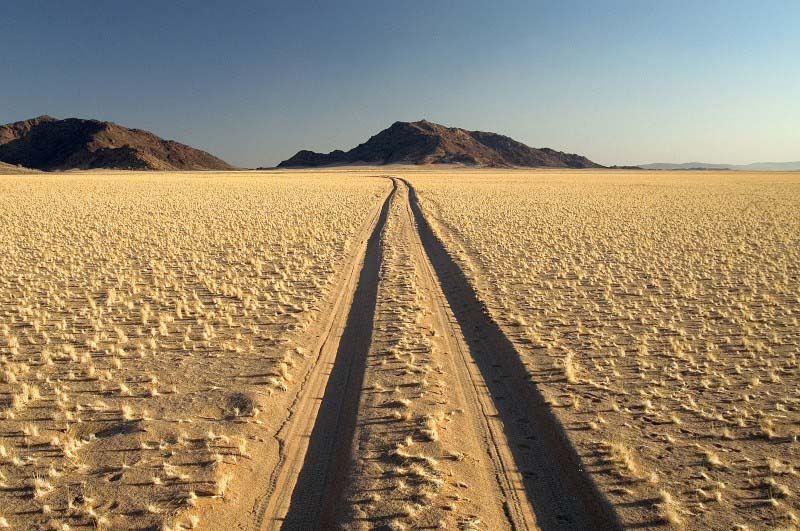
(421,457)
(518,510)
(535,461)
(314,437)
(537,472)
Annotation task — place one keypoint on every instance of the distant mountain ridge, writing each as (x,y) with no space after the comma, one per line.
(47,143)
(756,166)
(425,142)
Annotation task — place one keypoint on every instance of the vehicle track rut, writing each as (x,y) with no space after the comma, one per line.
(301,467)
(530,476)
(422,453)
(537,461)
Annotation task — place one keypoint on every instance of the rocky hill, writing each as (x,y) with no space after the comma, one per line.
(425,142)
(47,143)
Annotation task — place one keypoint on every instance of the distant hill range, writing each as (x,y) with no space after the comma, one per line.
(425,142)
(46,143)
(756,166)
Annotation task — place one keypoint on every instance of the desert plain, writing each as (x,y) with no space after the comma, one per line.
(400,347)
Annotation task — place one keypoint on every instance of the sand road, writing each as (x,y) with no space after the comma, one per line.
(417,412)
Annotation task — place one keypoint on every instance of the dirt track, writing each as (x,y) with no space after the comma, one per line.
(417,412)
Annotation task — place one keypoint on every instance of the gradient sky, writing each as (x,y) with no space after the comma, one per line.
(620,81)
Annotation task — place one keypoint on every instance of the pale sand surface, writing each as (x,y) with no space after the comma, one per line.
(322,349)
(149,325)
(657,312)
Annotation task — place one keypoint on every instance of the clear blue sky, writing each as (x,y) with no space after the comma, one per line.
(621,81)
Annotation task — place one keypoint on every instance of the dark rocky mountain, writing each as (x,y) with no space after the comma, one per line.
(47,143)
(425,142)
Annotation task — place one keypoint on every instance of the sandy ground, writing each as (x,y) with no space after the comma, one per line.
(399,348)
(149,325)
(657,313)
(11,169)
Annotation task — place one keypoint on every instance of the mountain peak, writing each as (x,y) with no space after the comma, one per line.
(419,124)
(424,142)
